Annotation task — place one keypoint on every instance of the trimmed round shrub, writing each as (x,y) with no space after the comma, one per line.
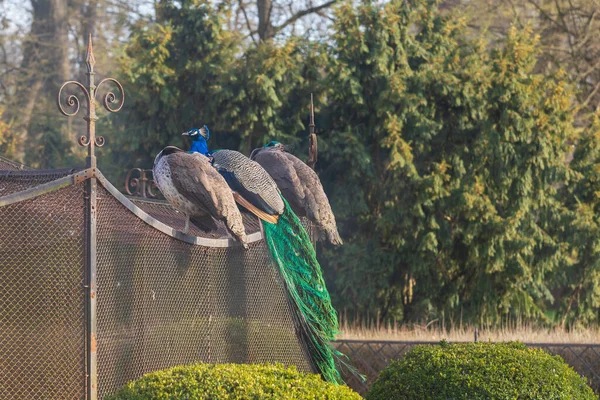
(479,371)
(232,381)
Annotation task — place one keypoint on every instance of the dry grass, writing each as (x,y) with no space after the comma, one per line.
(433,332)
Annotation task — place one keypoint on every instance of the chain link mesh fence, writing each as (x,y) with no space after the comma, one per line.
(161,302)
(164,302)
(42,322)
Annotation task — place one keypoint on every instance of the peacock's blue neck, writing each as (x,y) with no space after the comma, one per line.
(199,146)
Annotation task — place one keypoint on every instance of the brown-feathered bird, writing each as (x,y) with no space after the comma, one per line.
(191,184)
(300,186)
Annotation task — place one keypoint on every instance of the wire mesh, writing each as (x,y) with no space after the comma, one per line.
(41,296)
(160,301)
(16,181)
(163,302)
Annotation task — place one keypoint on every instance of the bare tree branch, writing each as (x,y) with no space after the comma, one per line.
(591,95)
(302,13)
(324,15)
(242,7)
(588,31)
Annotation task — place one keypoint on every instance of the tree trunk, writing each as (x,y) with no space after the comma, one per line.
(45,63)
(265,27)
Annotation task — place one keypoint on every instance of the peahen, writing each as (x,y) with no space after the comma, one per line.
(191,185)
(292,251)
(300,186)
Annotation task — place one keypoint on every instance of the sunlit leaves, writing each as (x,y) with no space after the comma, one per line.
(464,146)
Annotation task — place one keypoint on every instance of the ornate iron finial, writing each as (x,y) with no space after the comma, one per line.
(90,60)
(72,102)
(312,137)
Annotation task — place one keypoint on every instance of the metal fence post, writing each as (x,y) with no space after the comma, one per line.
(90,276)
(90,141)
(312,137)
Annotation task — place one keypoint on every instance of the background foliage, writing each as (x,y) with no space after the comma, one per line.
(458,141)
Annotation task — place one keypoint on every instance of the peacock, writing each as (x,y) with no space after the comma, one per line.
(194,187)
(199,136)
(300,186)
(292,251)
(290,247)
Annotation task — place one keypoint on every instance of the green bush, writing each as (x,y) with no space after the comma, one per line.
(479,371)
(232,381)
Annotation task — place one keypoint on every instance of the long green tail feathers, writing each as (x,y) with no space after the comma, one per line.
(293,252)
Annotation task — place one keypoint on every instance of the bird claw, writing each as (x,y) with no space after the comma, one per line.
(240,242)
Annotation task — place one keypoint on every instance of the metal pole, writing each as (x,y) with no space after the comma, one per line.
(90,141)
(91,188)
(91,317)
(312,137)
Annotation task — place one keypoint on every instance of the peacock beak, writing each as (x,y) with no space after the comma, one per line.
(185,134)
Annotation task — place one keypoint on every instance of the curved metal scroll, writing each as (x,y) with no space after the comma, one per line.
(110,97)
(72,101)
(140,186)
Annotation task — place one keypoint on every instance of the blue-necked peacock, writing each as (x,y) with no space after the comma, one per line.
(199,136)
(191,185)
(300,186)
(291,249)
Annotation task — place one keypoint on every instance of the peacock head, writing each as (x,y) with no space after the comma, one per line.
(271,146)
(274,144)
(196,133)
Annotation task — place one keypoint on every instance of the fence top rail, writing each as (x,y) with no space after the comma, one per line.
(44,188)
(434,342)
(15,173)
(164,228)
(78,177)
(17,165)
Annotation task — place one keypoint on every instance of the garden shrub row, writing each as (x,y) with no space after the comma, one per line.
(232,382)
(466,371)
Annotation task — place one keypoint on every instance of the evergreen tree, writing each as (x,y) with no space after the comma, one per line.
(446,158)
(189,70)
(576,286)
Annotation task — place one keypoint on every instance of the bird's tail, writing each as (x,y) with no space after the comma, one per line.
(294,254)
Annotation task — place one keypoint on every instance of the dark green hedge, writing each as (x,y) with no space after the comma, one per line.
(232,381)
(472,371)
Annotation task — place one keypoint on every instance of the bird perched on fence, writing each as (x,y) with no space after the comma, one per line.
(292,251)
(300,186)
(199,136)
(194,187)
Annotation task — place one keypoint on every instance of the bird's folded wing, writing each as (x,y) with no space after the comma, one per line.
(283,172)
